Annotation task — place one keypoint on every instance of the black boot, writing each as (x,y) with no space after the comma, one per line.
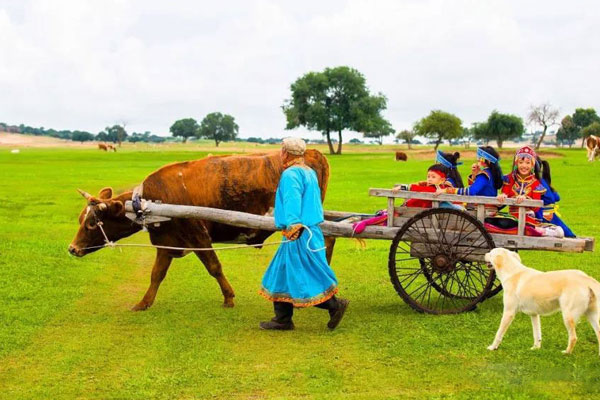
(337,314)
(279,326)
(283,317)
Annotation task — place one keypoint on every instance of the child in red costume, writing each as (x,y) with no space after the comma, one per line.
(436,179)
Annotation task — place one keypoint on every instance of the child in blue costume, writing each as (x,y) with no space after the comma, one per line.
(298,275)
(549,212)
(450,161)
(486,176)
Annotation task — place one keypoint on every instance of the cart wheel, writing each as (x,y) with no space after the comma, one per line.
(436,262)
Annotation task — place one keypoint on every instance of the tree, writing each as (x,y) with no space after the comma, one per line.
(334,100)
(439,125)
(377,129)
(499,127)
(116,134)
(407,136)
(591,129)
(583,117)
(218,127)
(543,115)
(187,127)
(567,132)
(80,136)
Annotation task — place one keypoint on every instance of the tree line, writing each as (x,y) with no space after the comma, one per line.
(337,99)
(114,134)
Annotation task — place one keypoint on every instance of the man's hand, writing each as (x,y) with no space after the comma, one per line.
(293,232)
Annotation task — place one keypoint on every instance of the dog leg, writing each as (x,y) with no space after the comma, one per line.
(507,318)
(537,332)
(592,317)
(570,323)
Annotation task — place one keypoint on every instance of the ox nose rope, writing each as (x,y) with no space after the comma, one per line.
(110,243)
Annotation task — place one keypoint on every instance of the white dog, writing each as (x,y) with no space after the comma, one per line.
(538,293)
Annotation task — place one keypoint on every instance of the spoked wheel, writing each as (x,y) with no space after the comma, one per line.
(436,262)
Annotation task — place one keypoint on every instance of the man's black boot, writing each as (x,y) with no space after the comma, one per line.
(338,314)
(279,326)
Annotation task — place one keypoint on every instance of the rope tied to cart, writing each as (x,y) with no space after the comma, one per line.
(110,243)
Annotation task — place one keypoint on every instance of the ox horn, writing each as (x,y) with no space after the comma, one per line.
(86,195)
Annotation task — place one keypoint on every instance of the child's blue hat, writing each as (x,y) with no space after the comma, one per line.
(486,156)
(439,158)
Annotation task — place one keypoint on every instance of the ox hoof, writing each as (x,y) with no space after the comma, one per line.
(140,307)
(228,303)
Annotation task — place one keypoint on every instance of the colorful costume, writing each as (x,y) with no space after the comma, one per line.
(549,212)
(296,274)
(423,187)
(529,186)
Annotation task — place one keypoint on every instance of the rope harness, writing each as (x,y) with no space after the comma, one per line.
(110,243)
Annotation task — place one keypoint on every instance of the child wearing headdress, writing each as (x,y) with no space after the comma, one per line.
(485,178)
(450,161)
(549,212)
(524,183)
(436,179)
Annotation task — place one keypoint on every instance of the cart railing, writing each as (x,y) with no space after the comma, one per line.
(478,201)
(398,215)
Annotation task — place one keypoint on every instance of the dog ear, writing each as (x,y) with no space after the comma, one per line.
(515,255)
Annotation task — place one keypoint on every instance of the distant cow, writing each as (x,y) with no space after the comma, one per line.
(238,183)
(593,147)
(401,156)
(111,147)
(102,146)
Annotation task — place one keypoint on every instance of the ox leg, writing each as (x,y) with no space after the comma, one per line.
(159,271)
(329,243)
(213,266)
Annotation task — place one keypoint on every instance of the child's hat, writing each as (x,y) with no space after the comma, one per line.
(525,152)
(481,153)
(440,159)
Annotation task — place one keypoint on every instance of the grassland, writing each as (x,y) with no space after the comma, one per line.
(66,330)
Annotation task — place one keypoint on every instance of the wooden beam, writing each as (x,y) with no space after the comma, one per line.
(342,229)
(405,194)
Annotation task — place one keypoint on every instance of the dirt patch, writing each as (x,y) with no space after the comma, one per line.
(15,140)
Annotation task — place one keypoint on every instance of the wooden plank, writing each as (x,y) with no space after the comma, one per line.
(521,223)
(405,194)
(481,212)
(390,211)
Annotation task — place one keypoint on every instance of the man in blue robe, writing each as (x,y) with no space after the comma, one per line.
(299,275)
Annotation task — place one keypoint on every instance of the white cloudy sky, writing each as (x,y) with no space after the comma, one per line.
(86,64)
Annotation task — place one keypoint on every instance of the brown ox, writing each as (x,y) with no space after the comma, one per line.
(102,146)
(593,147)
(401,156)
(239,183)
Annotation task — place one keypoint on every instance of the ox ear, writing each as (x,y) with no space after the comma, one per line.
(116,208)
(105,193)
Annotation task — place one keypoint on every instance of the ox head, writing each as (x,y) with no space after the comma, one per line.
(105,210)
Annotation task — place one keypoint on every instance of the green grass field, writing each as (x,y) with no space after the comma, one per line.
(66,330)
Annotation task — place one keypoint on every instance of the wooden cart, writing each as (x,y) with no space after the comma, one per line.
(436,257)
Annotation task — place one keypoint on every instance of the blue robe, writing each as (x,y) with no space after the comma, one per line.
(483,185)
(297,275)
(547,213)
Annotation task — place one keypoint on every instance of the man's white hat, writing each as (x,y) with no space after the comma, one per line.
(294,146)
